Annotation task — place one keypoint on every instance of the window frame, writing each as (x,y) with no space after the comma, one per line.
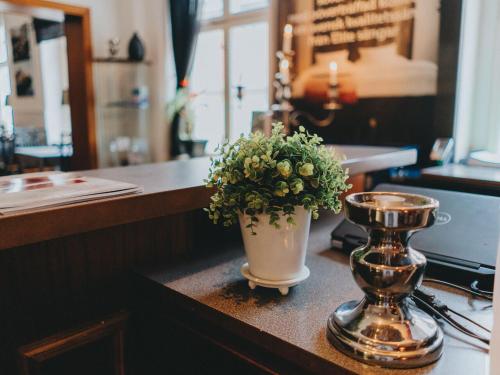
(225,23)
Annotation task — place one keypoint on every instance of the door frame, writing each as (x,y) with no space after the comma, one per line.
(81,84)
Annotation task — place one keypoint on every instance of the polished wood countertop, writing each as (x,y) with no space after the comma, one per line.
(488,177)
(169,188)
(292,328)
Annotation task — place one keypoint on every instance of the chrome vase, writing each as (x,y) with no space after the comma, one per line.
(385,328)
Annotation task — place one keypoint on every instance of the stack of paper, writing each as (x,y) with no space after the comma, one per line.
(51,189)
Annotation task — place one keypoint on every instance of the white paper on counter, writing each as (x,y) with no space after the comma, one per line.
(26,192)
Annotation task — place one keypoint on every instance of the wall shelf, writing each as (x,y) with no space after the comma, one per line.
(126,104)
(123,111)
(119,60)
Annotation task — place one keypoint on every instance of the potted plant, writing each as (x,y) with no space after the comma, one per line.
(180,109)
(273,186)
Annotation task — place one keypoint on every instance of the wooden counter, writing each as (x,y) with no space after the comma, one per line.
(169,188)
(71,265)
(473,179)
(264,332)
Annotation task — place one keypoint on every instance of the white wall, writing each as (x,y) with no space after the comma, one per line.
(104,21)
(120,18)
(149,19)
(425,41)
(28,110)
(54,69)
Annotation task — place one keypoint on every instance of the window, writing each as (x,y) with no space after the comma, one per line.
(237,6)
(477,114)
(207,82)
(232,58)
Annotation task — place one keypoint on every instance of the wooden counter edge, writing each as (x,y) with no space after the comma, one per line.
(28,228)
(200,316)
(23,229)
(393,159)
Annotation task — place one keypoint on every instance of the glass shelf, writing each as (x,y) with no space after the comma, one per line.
(123,109)
(125,104)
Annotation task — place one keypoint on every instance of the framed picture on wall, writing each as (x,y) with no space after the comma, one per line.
(19,37)
(394,64)
(24,64)
(381,49)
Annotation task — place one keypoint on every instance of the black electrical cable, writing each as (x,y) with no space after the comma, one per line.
(469,320)
(432,305)
(473,290)
(474,287)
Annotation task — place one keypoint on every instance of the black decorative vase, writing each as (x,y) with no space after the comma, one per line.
(136,48)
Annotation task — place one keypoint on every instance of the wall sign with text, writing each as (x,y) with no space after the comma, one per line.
(381,48)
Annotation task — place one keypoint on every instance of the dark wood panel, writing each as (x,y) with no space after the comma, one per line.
(68,9)
(55,285)
(404,121)
(469,179)
(37,355)
(169,344)
(81,91)
(449,47)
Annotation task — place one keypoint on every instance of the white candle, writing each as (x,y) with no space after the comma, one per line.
(285,71)
(333,73)
(287,38)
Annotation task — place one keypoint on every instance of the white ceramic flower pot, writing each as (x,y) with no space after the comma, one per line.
(277,254)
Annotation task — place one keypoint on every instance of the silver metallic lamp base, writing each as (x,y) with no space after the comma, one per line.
(384,329)
(388,336)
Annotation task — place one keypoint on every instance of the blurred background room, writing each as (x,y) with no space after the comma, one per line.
(133,97)
(140,88)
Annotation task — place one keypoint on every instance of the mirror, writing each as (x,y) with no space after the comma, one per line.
(35,115)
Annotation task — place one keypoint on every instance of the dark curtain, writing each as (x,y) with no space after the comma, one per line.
(46,30)
(185,26)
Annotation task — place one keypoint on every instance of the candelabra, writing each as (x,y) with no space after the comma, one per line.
(284,110)
(385,328)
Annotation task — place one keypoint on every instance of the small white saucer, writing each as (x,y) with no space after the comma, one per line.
(282,285)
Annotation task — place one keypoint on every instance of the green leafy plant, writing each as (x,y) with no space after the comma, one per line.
(273,175)
(181,104)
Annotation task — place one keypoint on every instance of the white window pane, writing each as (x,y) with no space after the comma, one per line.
(212,9)
(6,118)
(3,43)
(208,69)
(207,84)
(249,67)
(209,119)
(237,6)
(4,81)
(241,111)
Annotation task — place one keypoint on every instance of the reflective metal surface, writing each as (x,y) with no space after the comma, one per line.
(385,328)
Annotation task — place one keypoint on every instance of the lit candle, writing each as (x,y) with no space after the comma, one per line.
(285,71)
(287,38)
(333,74)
